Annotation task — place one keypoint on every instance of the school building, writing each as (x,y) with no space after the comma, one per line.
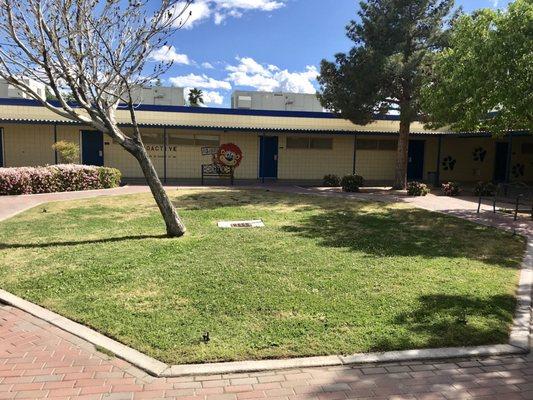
(288,146)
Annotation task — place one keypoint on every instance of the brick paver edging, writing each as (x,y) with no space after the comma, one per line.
(519,340)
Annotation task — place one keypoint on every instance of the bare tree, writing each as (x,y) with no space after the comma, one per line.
(96,52)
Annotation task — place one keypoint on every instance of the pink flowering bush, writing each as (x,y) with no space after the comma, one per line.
(451,189)
(57,178)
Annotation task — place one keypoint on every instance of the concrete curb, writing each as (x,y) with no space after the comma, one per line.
(142,361)
(519,340)
(521,335)
(159,369)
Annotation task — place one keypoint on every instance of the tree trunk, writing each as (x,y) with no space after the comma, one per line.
(175,227)
(400,180)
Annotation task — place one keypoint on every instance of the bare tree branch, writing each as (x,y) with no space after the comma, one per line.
(95,51)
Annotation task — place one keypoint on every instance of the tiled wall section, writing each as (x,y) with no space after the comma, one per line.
(183,161)
(249,144)
(520,158)
(315,163)
(28,144)
(68,134)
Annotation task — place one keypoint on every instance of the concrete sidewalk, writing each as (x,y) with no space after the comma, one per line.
(12,205)
(39,361)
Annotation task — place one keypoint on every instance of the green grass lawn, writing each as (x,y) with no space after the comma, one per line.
(326,275)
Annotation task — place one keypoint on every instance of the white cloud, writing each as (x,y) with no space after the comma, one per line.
(263,5)
(207,65)
(219,18)
(220,10)
(194,14)
(271,78)
(167,54)
(213,97)
(199,81)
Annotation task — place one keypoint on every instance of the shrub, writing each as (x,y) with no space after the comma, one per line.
(331,180)
(451,189)
(57,178)
(417,189)
(69,152)
(485,189)
(351,183)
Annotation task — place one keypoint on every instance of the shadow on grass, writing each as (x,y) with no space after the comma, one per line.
(451,320)
(370,227)
(245,197)
(405,232)
(4,246)
(439,321)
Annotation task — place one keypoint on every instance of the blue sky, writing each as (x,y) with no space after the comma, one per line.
(273,45)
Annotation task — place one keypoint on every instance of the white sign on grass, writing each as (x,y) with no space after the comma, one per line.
(257,223)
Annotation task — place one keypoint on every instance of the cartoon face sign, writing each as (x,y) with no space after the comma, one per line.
(229,155)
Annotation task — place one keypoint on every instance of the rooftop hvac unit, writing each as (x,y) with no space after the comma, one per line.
(244,102)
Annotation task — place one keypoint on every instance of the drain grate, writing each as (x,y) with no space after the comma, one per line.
(242,224)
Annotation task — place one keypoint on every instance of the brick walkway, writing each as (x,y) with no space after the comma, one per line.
(39,361)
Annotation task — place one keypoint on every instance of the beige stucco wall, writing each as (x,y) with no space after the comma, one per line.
(249,145)
(183,161)
(27,144)
(315,163)
(68,134)
(466,168)
(31,144)
(519,157)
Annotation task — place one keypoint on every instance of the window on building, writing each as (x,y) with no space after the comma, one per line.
(180,139)
(321,143)
(367,144)
(377,144)
(206,140)
(193,140)
(152,138)
(527,148)
(297,143)
(388,145)
(309,143)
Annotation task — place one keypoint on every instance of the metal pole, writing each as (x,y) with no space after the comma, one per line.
(439,149)
(509,159)
(262,156)
(165,154)
(55,141)
(354,152)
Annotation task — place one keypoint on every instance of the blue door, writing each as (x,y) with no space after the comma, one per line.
(268,158)
(92,148)
(500,162)
(415,165)
(1,147)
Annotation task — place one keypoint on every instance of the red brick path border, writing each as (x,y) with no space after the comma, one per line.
(40,361)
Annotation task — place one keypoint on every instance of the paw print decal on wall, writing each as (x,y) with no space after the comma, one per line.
(479,154)
(518,170)
(448,164)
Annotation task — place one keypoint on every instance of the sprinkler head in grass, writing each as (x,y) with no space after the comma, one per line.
(205,337)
